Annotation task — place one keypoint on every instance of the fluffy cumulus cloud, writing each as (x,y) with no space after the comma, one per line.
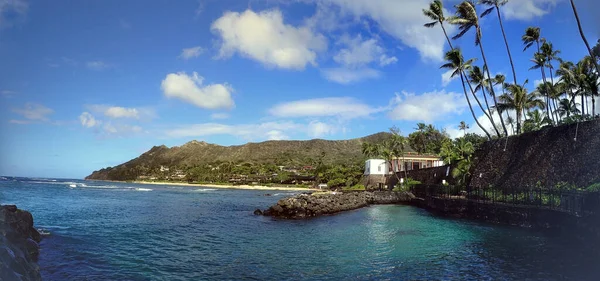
(402,19)
(265,37)
(189,88)
(427,107)
(318,129)
(32,112)
(447,78)
(88,120)
(344,108)
(343,75)
(528,9)
(190,53)
(248,132)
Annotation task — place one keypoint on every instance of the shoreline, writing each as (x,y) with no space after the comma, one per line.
(222,186)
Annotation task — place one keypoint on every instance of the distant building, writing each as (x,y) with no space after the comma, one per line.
(323,186)
(376,167)
(378,171)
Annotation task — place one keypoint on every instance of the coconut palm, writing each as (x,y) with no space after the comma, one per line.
(464,127)
(436,14)
(532,35)
(536,120)
(587,45)
(545,89)
(477,79)
(495,5)
(455,61)
(518,99)
(567,107)
(466,18)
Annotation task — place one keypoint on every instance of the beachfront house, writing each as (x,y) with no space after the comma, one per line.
(378,171)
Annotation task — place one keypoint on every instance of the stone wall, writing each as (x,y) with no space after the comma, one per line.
(428,176)
(19,248)
(548,156)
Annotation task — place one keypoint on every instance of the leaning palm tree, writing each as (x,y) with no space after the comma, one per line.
(519,100)
(587,45)
(455,61)
(436,14)
(466,18)
(532,35)
(496,4)
(477,79)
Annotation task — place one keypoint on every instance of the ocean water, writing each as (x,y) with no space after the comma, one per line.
(118,231)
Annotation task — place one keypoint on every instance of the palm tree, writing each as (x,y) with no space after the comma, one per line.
(566,107)
(456,62)
(436,14)
(587,45)
(532,35)
(545,90)
(466,18)
(519,100)
(464,127)
(496,4)
(477,79)
(535,121)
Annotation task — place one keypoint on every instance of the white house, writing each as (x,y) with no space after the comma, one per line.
(376,167)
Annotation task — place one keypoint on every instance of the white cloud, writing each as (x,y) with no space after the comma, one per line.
(193,52)
(537,82)
(88,120)
(34,112)
(215,116)
(11,11)
(276,135)
(121,129)
(344,108)
(528,9)
(402,19)
(264,37)
(447,78)
(427,107)
(344,75)
(318,129)
(248,132)
(190,89)
(122,112)
(385,60)
(97,65)
(359,52)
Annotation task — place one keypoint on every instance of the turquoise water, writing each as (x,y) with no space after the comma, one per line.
(116,231)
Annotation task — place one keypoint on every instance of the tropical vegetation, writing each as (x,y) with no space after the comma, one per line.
(568,90)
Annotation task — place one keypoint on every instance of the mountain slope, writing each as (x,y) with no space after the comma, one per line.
(194,153)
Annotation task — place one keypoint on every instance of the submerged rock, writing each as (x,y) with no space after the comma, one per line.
(19,245)
(312,205)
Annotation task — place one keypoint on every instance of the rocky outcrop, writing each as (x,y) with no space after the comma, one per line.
(312,205)
(19,248)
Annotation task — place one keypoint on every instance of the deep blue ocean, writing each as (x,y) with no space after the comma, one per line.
(121,231)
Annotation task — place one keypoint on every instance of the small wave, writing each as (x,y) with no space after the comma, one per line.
(54,227)
(204,189)
(143,189)
(72,185)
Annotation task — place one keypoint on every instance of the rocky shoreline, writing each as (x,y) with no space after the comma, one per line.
(313,205)
(19,245)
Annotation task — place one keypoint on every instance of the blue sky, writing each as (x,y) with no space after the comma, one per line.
(90,84)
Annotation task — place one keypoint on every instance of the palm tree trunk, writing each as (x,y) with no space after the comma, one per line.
(446,34)
(506,43)
(487,69)
(519,121)
(587,45)
(582,104)
(552,81)
(487,113)
(462,79)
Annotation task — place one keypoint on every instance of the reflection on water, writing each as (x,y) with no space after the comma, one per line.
(169,233)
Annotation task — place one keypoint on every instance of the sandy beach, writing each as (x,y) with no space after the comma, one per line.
(251,187)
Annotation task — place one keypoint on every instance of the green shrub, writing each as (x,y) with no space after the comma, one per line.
(408,183)
(355,187)
(594,187)
(336,183)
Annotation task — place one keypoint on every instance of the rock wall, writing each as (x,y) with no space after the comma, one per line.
(548,156)
(19,248)
(428,176)
(312,205)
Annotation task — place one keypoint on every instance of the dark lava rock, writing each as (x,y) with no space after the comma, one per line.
(19,248)
(312,205)
(258,212)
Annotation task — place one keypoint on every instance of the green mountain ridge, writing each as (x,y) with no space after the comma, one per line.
(289,153)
